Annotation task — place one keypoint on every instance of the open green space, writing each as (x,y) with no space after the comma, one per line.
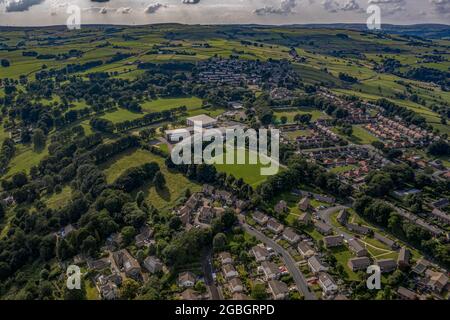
(176,183)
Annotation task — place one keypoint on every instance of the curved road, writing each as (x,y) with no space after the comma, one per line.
(298,277)
(325,216)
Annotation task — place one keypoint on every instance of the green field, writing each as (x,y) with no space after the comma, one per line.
(290,114)
(59,200)
(121,115)
(250,173)
(176,183)
(162,104)
(24,159)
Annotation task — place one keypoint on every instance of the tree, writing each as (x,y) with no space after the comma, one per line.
(89,245)
(75,294)
(220,242)
(128,234)
(159,180)
(129,289)
(439,148)
(140,197)
(284,119)
(2,211)
(38,139)
(200,287)
(5,63)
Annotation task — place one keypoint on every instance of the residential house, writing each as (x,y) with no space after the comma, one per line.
(153,264)
(290,236)
(281,207)
(186,279)
(387,265)
(225,258)
(260,218)
(236,285)
(342,217)
(323,228)
(278,289)
(274,226)
(144,237)
(270,270)
(421,266)
(437,281)
(125,261)
(441,216)
(403,258)
(305,249)
(327,283)
(240,296)
(99,264)
(406,294)
(357,248)
(229,271)
(333,241)
(358,228)
(190,295)
(390,243)
(260,253)
(303,205)
(316,266)
(304,218)
(357,264)
(206,214)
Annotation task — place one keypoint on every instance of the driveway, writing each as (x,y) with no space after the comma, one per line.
(298,277)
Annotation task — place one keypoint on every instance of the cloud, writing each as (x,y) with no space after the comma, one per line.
(390,7)
(441,7)
(286,7)
(152,8)
(124,10)
(337,5)
(20,5)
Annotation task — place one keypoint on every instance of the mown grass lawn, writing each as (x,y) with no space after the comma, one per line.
(176,183)
(342,255)
(250,173)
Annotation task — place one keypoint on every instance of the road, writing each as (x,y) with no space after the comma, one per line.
(209,280)
(325,215)
(298,277)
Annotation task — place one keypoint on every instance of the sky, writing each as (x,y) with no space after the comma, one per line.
(54,12)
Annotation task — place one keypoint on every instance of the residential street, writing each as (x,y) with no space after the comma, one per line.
(325,215)
(298,277)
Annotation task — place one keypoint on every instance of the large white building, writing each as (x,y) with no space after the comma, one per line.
(203,119)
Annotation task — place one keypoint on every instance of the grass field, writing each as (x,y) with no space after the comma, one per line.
(342,255)
(24,159)
(250,173)
(176,183)
(290,114)
(362,136)
(162,104)
(59,200)
(121,115)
